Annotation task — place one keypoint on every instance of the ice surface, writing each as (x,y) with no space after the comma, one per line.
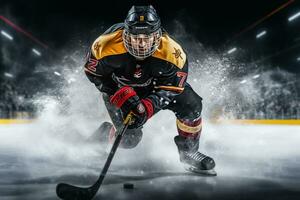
(245,155)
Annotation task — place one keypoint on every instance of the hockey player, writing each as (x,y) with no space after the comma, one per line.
(139,68)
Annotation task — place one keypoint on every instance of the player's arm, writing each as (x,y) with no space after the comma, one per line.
(100,74)
(168,84)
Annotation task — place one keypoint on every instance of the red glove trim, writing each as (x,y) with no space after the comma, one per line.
(149,107)
(122,95)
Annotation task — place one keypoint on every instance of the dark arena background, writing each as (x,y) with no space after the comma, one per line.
(244,60)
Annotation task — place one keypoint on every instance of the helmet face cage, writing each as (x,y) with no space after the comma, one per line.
(142,46)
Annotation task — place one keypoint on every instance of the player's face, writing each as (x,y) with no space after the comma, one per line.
(142,43)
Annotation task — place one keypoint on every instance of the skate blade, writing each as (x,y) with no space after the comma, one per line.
(210,172)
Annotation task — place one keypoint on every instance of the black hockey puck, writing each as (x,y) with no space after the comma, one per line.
(128,186)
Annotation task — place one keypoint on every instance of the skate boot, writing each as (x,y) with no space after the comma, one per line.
(193,160)
(198,163)
(106,134)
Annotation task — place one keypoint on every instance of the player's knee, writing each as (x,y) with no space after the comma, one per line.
(131,138)
(191,110)
(196,108)
(188,104)
(196,104)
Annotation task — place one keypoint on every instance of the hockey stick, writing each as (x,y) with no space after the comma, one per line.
(70,192)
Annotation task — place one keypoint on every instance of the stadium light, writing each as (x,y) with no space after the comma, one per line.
(243,81)
(231,50)
(9,75)
(57,73)
(36,52)
(19,29)
(293,17)
(256,76)
(6,35)
(259,35)
(298,59)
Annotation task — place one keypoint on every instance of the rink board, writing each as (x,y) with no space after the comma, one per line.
(15,121)
(236,121)
(263,121)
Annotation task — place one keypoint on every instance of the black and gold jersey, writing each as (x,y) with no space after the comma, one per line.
(159,77)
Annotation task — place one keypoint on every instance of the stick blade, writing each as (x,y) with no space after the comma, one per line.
(70,192)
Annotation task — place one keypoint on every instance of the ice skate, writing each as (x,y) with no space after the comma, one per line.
(198,163)
(103,134)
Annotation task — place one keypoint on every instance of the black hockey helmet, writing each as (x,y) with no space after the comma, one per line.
(142,31)
(142,20)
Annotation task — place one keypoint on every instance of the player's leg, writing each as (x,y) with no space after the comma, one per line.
(187,108)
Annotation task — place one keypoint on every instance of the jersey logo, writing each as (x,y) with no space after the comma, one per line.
(138,72)
(124,81)
(177,53)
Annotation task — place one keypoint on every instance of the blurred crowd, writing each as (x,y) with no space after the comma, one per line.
(15,102)
(275,109)
(278,106)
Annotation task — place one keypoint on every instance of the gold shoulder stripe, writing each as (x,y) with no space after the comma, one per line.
(170,51)
(108,44)
(170,88)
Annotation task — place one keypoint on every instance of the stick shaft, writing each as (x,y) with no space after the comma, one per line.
(71,192)
(111,154)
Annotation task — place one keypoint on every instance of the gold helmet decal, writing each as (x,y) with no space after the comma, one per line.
(142,18)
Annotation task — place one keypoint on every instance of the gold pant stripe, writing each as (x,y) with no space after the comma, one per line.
(188,129)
